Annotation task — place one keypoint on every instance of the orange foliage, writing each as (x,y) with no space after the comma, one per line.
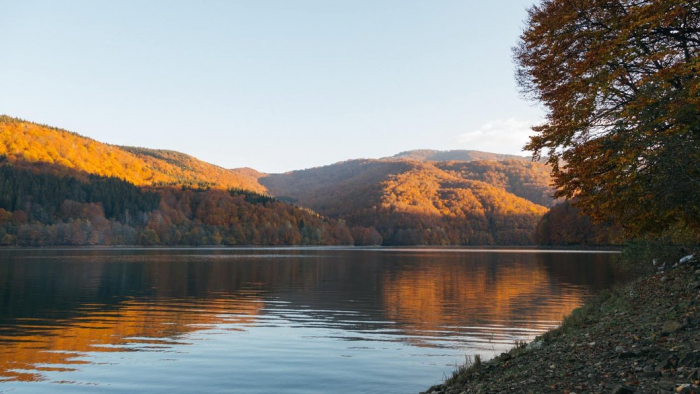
(412,202)
(30,144)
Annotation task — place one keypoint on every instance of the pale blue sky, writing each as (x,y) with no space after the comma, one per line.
(273,85)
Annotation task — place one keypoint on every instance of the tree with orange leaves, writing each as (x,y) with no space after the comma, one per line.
(621,82)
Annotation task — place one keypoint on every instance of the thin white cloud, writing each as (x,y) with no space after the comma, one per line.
(499,136)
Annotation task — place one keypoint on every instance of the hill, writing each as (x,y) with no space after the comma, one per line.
(59,188)
(410,199)
(412,202)
(39,209)
(523,178)
(31,145)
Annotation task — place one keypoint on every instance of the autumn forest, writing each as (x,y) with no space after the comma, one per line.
(59,188)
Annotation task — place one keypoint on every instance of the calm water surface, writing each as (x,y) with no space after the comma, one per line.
(273,320)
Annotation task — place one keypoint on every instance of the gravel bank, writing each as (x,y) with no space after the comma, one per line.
(641,338)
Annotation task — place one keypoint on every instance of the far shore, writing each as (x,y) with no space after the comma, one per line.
(397,248)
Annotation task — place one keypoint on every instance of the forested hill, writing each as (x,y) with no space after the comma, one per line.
(41,208)
(61,152)
(61,188)
(415,202)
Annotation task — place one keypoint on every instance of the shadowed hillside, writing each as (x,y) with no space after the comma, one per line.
(338,189)
(565,224)
(39,209)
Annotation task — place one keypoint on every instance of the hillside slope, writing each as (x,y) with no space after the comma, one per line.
(59,188)
(35,146)
(414,202)
(526,179)
(40,208)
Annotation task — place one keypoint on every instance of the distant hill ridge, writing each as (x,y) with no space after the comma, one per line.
(455,155)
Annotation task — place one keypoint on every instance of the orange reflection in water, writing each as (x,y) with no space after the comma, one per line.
(432,297)
(59,346)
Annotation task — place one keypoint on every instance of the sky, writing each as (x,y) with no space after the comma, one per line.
(272,85)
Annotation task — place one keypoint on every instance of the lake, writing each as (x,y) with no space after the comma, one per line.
(274,320)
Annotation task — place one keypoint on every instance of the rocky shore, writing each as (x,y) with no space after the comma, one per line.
(640,338)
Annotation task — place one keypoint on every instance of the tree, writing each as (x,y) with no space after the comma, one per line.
(565,225)
(621,83)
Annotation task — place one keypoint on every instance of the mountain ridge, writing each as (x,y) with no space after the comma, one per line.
(455,155)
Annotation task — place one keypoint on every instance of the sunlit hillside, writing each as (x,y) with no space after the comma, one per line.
(414,202)
(59,188)
(524,178)
(32,145)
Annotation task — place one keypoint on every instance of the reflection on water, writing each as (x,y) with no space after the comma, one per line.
(263,320)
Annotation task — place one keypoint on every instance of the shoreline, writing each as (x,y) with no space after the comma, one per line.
(643,337)
(446,248)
